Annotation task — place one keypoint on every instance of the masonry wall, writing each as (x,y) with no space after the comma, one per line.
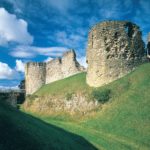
(53,70)
(35,74)
(38,74)
(61,68)
(70,66)
(114,49)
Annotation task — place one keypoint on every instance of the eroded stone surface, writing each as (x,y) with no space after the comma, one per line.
(62,67)
(148,45)
(35,74)
(114,49)
(38,74)
(50,104)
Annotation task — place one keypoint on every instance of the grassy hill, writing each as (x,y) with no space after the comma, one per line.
(19,131)
(124,121)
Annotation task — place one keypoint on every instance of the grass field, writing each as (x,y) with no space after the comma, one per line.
(75,83)
(123,123)
(20,131)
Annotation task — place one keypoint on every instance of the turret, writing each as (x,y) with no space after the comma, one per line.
(114,49)
(35,74)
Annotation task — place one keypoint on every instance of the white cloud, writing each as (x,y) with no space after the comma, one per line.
(48,59)
(82,61)
(19,66)
(13,29)
(8,88)
(32,51)
(6,72)
(21,54)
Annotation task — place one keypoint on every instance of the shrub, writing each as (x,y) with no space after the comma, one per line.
(101,95)
(69,96)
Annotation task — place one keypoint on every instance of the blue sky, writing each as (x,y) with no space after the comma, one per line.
(40,30)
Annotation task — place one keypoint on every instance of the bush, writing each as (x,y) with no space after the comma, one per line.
(101,95)
(69,96)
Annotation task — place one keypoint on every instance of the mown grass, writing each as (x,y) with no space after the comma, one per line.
(124,121)
(75,83)
(71,85)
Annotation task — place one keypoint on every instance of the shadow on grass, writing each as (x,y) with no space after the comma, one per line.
(20,131)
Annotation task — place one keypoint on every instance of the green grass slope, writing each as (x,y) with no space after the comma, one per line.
(19,131)
(75,83)
(124,121)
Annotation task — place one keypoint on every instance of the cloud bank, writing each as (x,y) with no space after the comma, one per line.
(32,51)
(6,72)
(13,29)
(19,66)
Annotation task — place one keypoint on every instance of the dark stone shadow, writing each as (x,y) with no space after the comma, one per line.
(21,98)
(20,131)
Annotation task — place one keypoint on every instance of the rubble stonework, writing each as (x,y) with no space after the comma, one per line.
(38,74)
(148,46)
(114,49)
(35,74)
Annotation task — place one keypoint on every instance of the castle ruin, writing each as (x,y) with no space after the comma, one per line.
(114,49)
(38,74)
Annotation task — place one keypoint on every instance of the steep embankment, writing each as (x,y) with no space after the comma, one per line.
(122,123)
(71,95)
(19,131)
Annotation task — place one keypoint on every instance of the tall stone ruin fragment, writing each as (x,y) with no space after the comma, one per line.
(114,49)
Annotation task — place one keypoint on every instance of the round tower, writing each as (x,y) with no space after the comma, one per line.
(114,49)
(35,74)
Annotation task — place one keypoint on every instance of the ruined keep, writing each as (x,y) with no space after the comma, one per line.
(114,49)
(38,74)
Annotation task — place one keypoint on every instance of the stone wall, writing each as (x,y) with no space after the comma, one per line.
(53,71)
(114,49)
(47,104)
(62,67)
(148,46)
(35,74)
(70,65)
(38,74)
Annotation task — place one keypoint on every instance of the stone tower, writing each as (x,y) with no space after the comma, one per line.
(35,74)
(114,49)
